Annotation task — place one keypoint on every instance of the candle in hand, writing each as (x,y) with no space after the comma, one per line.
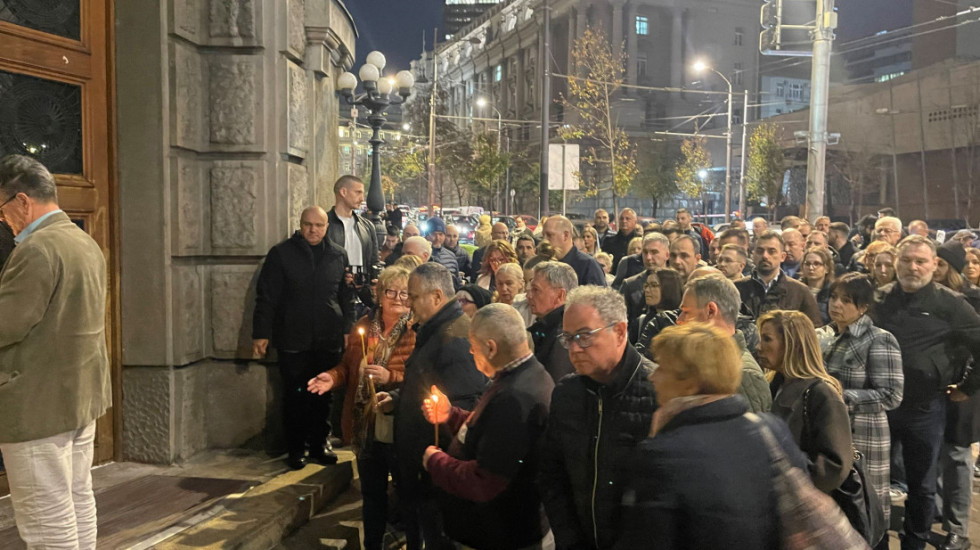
(363,343)
(435,410)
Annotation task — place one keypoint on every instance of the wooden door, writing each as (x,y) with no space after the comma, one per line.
(56,105)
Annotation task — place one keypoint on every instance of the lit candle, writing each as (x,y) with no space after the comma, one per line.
(371,385)
(435,408)
(363,343)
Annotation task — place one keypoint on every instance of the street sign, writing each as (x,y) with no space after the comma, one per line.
(563,163)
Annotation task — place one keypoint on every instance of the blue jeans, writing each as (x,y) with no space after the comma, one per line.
(918,428)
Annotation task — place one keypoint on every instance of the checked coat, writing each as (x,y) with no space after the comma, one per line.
(868,363)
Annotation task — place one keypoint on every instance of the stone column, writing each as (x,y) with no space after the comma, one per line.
(631,45)
(617,24)
(248,136)
(677,48)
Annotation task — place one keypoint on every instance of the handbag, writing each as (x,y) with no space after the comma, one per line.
(855,496)
(808,518)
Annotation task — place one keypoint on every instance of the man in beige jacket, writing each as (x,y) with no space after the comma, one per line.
(54,368)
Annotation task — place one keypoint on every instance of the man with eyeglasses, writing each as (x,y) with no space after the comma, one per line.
(304,308)
(54,376)
(550,284)
(598,415)
(888,229)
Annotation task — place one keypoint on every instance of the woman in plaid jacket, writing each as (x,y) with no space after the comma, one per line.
(868,363)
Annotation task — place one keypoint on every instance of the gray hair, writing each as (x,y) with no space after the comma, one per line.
(889,220)
(23,174)
(608,303)
(421,241)
(656,236)
(716,288)
(499,322)
(512,268)
(435,276)
(557,274)
(695,243)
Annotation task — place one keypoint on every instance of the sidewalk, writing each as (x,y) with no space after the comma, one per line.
(218,499)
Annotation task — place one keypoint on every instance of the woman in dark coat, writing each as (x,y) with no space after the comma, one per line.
(662,291)
(702,479)
(818,274)
(808,398)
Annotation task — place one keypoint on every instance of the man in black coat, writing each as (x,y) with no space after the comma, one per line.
(354,233)
(550,285)
(441,358)
(597,417)
(558,231)
(618,244)
(487,476)
(937,331)
(304,308)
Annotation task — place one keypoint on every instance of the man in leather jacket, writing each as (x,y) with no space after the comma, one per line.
(598,416)
(353,232)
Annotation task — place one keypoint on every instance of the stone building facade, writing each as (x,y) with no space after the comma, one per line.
(227,129)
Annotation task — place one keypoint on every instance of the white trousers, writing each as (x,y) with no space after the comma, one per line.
(51,490)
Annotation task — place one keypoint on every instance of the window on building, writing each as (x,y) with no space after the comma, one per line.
(498,73)
(641,64)
(736,116)
(796,91)
(739,36)
(737,74)
(781,89)
(642,27)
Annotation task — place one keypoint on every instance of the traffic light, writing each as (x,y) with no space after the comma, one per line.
(771,14)
(786,27)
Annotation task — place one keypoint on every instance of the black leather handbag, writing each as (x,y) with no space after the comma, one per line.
(855,496)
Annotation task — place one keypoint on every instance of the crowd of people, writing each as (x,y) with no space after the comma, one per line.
(616,388)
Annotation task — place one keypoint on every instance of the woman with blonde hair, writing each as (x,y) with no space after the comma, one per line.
(387,336)
(605,260)
(882,266)
(807,397)
(971,271)
(700,434)
(498,253)
(591,239)
(635,246)
(482,235)
(510,290)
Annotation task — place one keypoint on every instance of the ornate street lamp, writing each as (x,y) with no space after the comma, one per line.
(376,98)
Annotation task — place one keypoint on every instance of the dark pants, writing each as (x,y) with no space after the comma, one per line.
(373,467)
(420,511)
(919,428)
(305,415)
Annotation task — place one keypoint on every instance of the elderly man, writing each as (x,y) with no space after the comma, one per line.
(600,221)
(558,231)
(759,226)
(936,329)
(822,224)
(770,288)
(441,358)
(550,284)
(54,373)
(794,245)
(525,248)
(715,300)
(598,415)
(685,254)
(618,244)
(488,468)
(888,229)
(656,251)
(304,309)
(452,244)
(732,261)
(418,246)
(790,222)
(437,236)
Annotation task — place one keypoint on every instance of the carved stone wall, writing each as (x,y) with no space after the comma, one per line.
(245,92)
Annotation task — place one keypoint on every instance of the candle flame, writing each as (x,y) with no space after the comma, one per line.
(360,331)
(435,398)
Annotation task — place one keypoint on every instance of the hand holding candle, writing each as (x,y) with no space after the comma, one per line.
(363,342)
(435,408)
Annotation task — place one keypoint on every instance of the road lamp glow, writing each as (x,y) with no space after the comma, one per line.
(700,66)
(703,174)
(481,102)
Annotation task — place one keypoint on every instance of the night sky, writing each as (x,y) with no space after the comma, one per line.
(395,26)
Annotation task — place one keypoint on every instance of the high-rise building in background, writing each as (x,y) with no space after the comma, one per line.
(456,14)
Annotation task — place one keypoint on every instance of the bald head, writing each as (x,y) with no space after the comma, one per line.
(558,231)
(313,224)
(499,231)
(417,246)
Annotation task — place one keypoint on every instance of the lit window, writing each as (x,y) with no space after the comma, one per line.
(641,25)
(498,73)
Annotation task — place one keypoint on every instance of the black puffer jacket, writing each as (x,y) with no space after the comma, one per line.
(592,429)
(547,349)
(301,300)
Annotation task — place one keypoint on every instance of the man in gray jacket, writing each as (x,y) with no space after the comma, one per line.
(714,299)
(54,367)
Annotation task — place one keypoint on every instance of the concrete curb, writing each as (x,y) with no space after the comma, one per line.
(260,518)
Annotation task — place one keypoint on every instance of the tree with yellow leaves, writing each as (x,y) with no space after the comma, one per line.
(692,168)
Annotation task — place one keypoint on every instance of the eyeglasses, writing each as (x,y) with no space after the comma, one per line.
(399,294)
(581,339)
(4,203)
(812,264)
(652,285)
(496,260)
(464,301)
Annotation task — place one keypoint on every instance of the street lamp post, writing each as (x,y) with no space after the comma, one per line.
(701,66)
(376,98)
(482,102)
